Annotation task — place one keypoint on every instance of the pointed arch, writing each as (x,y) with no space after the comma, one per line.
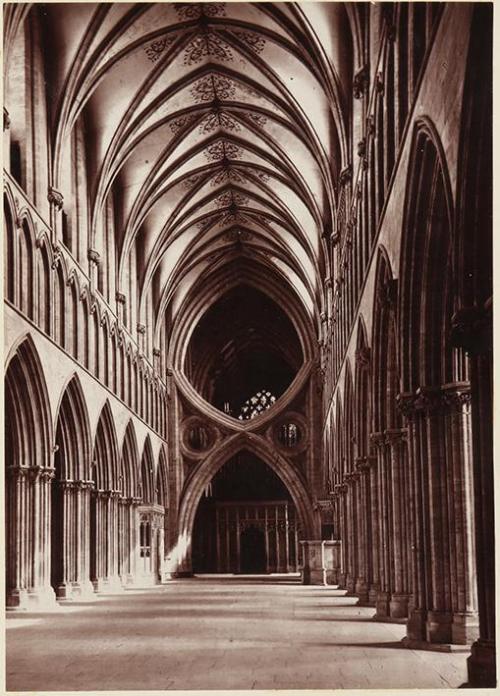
(106,451)
(147,472)
(204,473)
(73,438)
(425,307)
(130,463)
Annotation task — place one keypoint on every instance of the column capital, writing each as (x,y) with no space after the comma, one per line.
(394,436)
(93,256)
(345,175)
(120,298)
(362,356)
(457,396)
(377,440)
(428,399)
(471,329)
(55,198)
(6,119)
(361,82)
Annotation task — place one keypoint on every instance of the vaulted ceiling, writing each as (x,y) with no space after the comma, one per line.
(218,130)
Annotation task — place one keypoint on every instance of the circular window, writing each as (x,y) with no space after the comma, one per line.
(197,437)
(290,433)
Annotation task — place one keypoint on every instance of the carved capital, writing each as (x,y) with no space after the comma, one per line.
(156,352)
(428,399)
(406,405)
(471,330)
(395,436)
(361,147)
(457,397)
(141,329)
(345,175)
(379,83)
(93,256)
(377,440)
(120,298)
(363,355)
(6,119)
(361,82)
(55,198)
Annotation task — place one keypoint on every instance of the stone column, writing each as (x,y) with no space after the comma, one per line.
(28,538)
(364,538)
(415,629)
(64,589)
(457,415)
(340,490)
(82,587)
(352,480)
(382,526)
(396,440)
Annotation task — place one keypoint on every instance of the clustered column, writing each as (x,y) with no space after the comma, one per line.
(28,507)
(443,607)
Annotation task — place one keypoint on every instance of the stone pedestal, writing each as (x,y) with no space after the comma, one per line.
(481,665)
(320,562)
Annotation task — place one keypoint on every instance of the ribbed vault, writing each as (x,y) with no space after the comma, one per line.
(211,130)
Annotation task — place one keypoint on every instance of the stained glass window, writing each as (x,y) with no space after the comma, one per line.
(257,404)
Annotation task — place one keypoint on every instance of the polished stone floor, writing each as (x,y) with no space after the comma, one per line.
(216,632)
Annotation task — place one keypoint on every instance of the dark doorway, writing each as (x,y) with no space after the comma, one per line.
(253,551)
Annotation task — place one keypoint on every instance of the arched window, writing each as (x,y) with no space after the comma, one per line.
(256,404)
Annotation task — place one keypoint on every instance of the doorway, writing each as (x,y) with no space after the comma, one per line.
(253,551)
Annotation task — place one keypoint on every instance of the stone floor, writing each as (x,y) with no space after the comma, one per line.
(219,632)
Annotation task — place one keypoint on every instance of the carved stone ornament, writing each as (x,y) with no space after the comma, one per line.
(361,82)
(345,175)
(93,256)
(471,330)
(120,298)
(6,119)
(55,198)
(363,356)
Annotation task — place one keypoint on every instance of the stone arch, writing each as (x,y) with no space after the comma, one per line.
(425,305)
(147,472)
(70,495)
(28,460)
(104,518)
(129,463)
(9,217)
(106,451)
(197,483)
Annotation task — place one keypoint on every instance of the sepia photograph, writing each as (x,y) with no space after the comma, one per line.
(248,346)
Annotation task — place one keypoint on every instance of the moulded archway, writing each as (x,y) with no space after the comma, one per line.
(180,555)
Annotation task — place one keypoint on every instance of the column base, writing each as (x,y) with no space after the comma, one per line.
(361,590)
(481,665)
(34,599)
(342,581)
(350,585)
(82,590)
(415,626)
(313,576)
(433,647)
(438,627)
(465,628)
(398,606)
(382,605)
(372,596)
(107,585)
(331,576)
